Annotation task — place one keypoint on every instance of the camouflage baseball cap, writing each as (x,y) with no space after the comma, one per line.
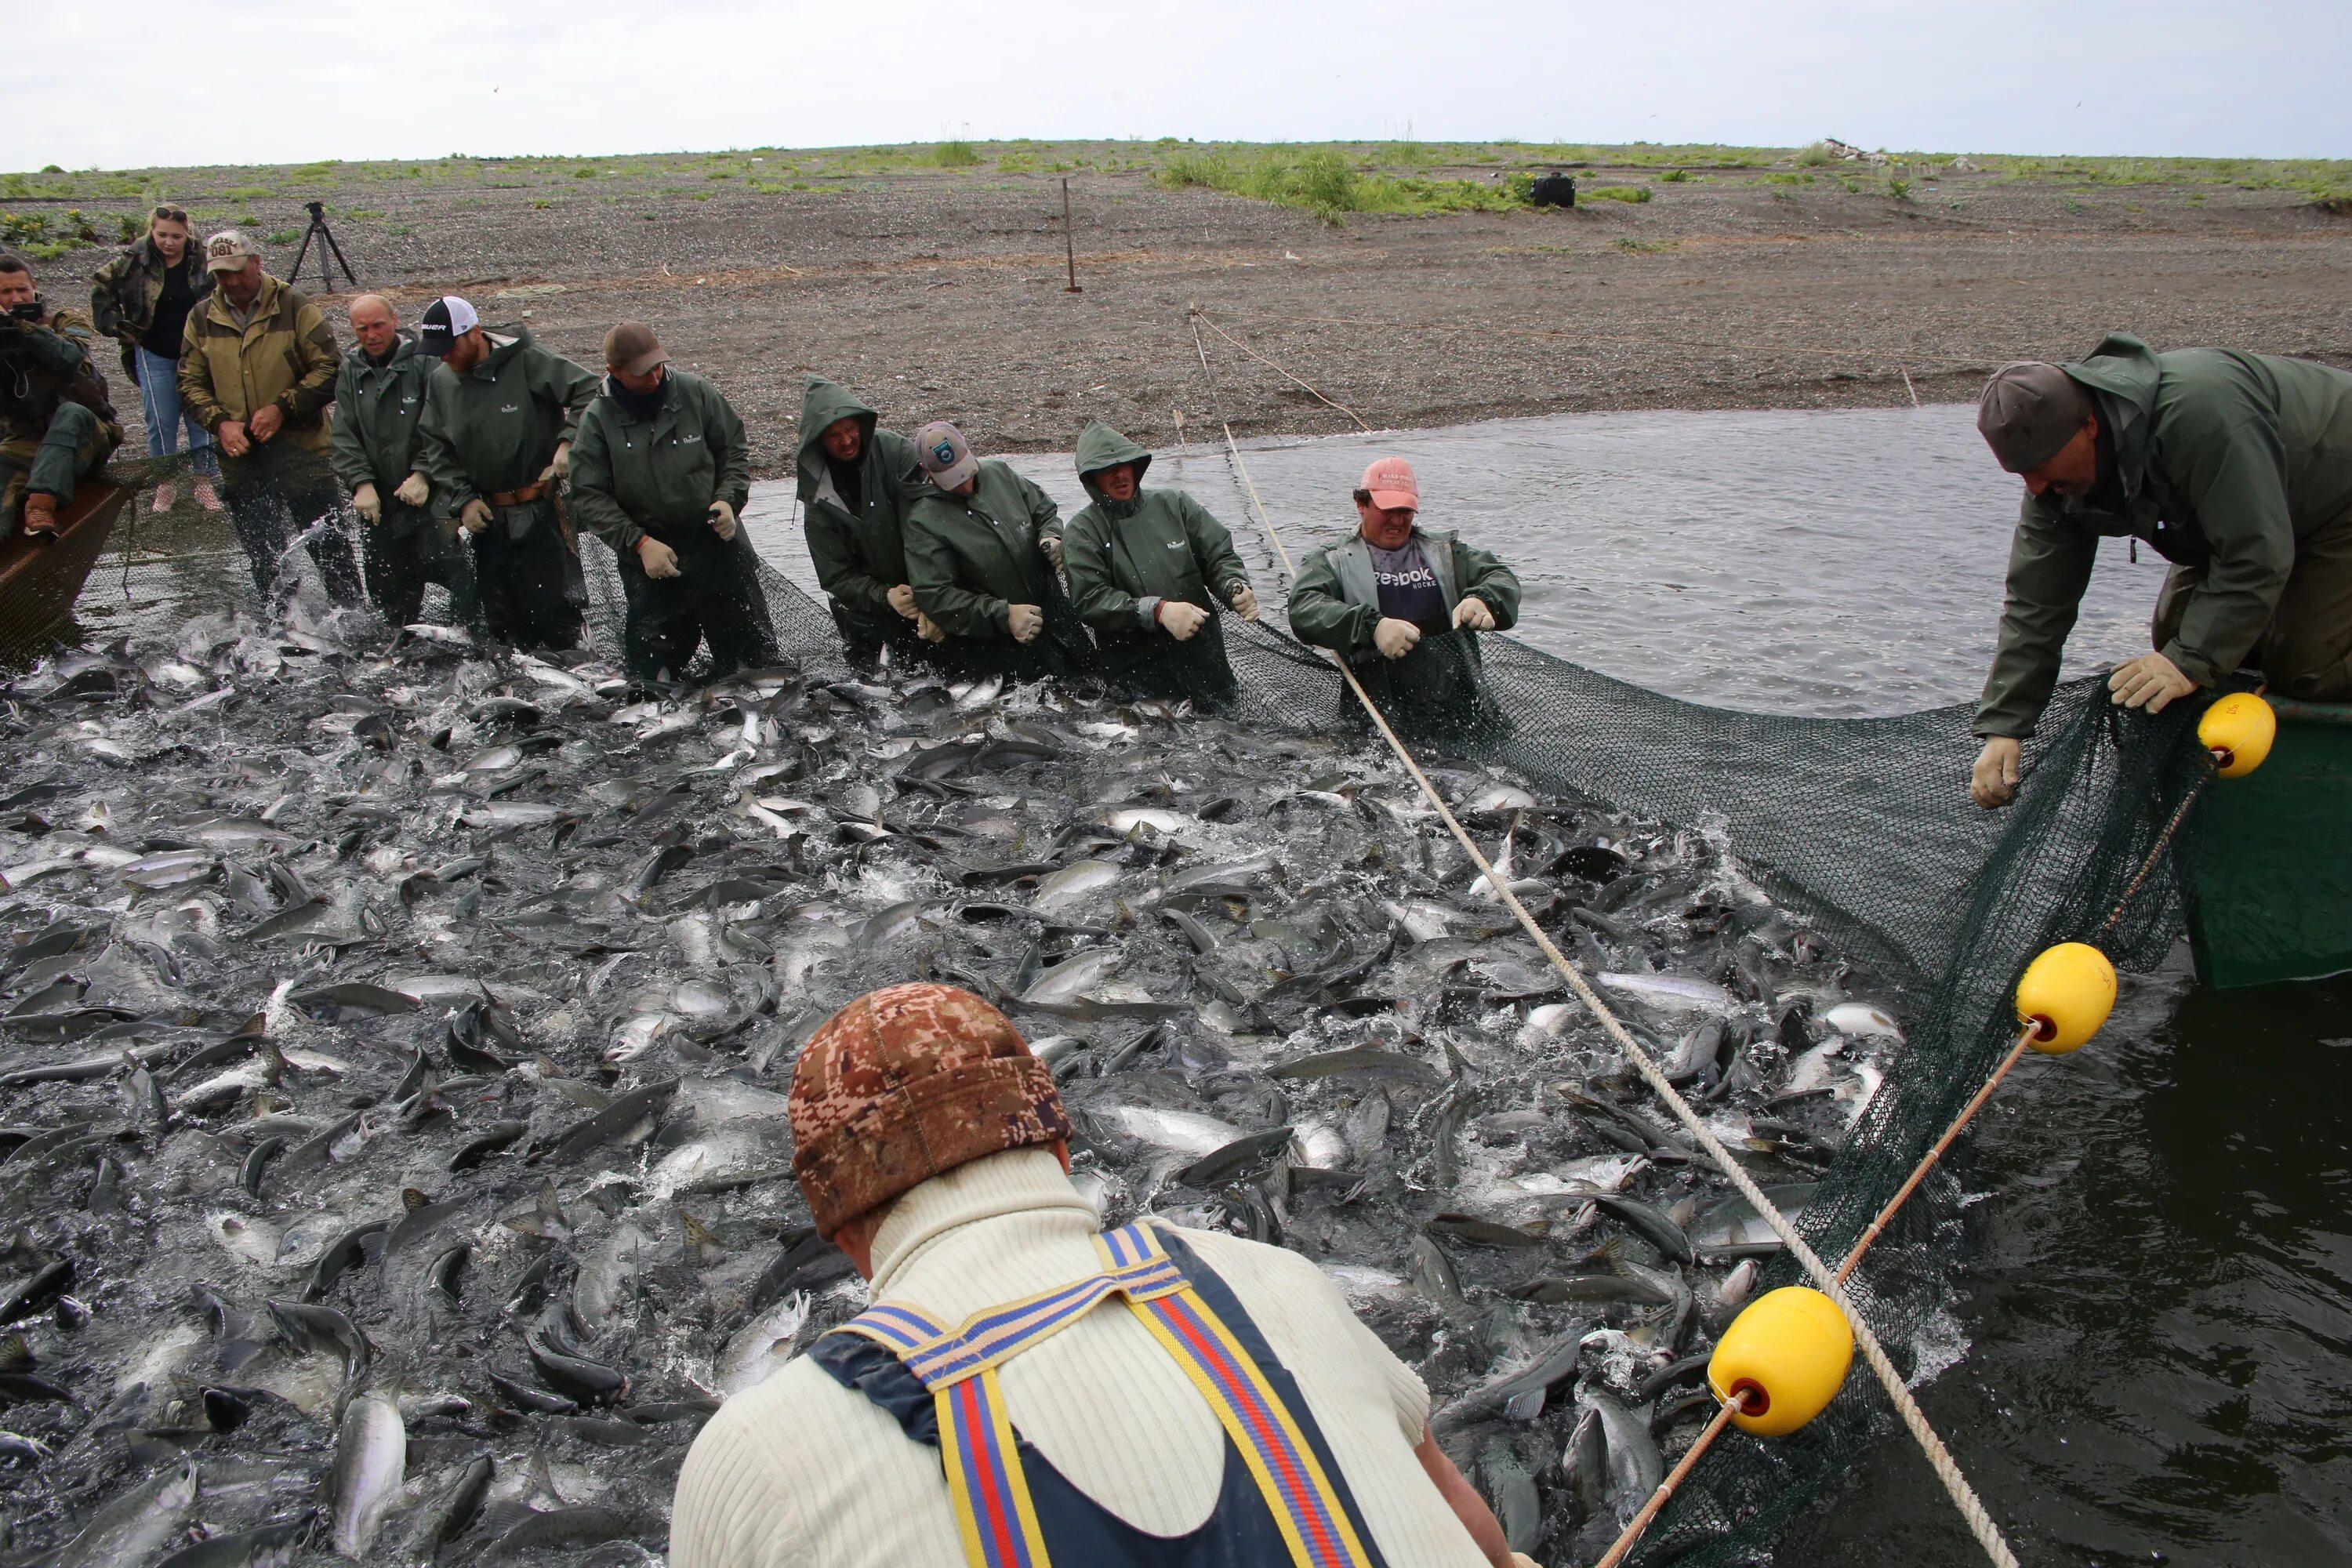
(905,1083)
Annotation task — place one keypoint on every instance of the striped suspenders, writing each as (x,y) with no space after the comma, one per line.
(982,1459)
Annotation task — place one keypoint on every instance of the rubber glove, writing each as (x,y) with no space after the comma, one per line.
(1474,612)
(1993,781)
(1179,619)
(475,515)
(365,502)
(1244,599)
(658,559)
(1051,543)
(562,467)
(723,520)
(902,599)
(2151,681)
(1395,638)
(928,630)
(414,491)
(1025,622)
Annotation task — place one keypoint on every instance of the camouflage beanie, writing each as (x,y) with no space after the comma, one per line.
(905,1083)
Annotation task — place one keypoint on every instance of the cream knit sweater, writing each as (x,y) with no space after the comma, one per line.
(801,1471)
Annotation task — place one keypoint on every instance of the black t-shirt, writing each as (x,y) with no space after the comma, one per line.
(1408,587)
(165,334)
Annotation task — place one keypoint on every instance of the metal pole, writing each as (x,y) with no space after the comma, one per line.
(1069,243)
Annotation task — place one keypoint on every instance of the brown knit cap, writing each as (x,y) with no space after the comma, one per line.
(905,1083)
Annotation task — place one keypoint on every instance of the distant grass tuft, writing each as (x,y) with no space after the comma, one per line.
(285,236)
(1324,182)
(957,154)
(1616,194)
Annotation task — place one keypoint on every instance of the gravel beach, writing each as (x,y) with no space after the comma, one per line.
(940,292)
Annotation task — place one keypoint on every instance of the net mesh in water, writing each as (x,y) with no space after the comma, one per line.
(1861,825)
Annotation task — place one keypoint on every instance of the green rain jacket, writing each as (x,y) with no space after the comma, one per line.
(629,479)
(495,429)
(1439,688)
(970,559)
(2220,459)
(374,437)
(1125,556)
(859,559)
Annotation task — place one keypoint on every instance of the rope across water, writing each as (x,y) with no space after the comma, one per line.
(1914,1420)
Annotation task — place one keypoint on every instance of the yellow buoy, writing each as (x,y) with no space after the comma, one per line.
(1788,1354)
(2066,994)
(2238,730)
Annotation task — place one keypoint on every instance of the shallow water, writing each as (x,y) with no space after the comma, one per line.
(2159,1350)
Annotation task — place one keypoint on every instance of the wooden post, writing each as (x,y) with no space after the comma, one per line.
(1069,243)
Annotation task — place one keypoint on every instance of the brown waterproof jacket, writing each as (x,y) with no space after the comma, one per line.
(285,356)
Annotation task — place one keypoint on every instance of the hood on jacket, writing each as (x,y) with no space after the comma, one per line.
(2127,371)
(1100,447)
(822,403)
(505,344)
(404,346)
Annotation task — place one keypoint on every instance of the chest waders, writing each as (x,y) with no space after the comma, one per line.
(1281,1499)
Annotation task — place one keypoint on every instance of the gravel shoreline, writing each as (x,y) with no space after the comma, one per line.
(942,294)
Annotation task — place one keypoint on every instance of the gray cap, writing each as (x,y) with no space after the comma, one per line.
(2029,411)
(941,450)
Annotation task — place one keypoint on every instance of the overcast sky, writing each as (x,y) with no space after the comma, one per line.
(293,80)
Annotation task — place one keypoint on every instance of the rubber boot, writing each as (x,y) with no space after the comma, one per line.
(41,515)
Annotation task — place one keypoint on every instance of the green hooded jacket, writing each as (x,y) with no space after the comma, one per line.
(970,559)
(495,429)
(859,559)
(2219,458)
(1335,603)
(377,409)
(630,479)
(1124,557)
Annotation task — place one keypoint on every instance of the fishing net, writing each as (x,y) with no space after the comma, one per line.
(1862,826)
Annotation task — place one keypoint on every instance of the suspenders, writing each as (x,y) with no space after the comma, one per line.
(982,1458)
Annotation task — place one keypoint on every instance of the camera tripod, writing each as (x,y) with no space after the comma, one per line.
(327,247)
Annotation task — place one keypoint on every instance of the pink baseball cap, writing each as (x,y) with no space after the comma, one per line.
(1391,483)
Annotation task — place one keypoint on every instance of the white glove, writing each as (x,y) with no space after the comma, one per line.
(1474,612)
(1051,543)
(1244,600)
(1993,781)
(475,515)
(412,490)
(365,502)
(1395,638)
(723,520)
(1182,619)
(562,467)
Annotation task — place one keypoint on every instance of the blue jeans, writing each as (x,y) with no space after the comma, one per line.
(159,398)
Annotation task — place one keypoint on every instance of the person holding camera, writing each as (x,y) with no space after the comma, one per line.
(258,369)
(56,423)
(142,299)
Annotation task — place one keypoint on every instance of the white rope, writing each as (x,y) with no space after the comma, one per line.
(1947,1470)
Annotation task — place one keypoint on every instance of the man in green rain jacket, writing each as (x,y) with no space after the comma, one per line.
(660,472)
(1149,571)
(379,402)
(982,545)
(500,417)
(857,485)
(1396,601)
(2236,468)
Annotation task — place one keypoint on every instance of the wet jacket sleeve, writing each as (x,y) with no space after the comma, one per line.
(1213,547)
(841,567)
(595,507)
(344,448)
(932,573)
(54,347)
(436,454)
(1320,614)
(196,378)
(1094,593)
(2050,564)
(560,381)
(1044,515)
(319,359)
(2231,468)
(725,426)
(1483,575)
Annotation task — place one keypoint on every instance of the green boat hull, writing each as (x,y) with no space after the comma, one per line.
(2270,894)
